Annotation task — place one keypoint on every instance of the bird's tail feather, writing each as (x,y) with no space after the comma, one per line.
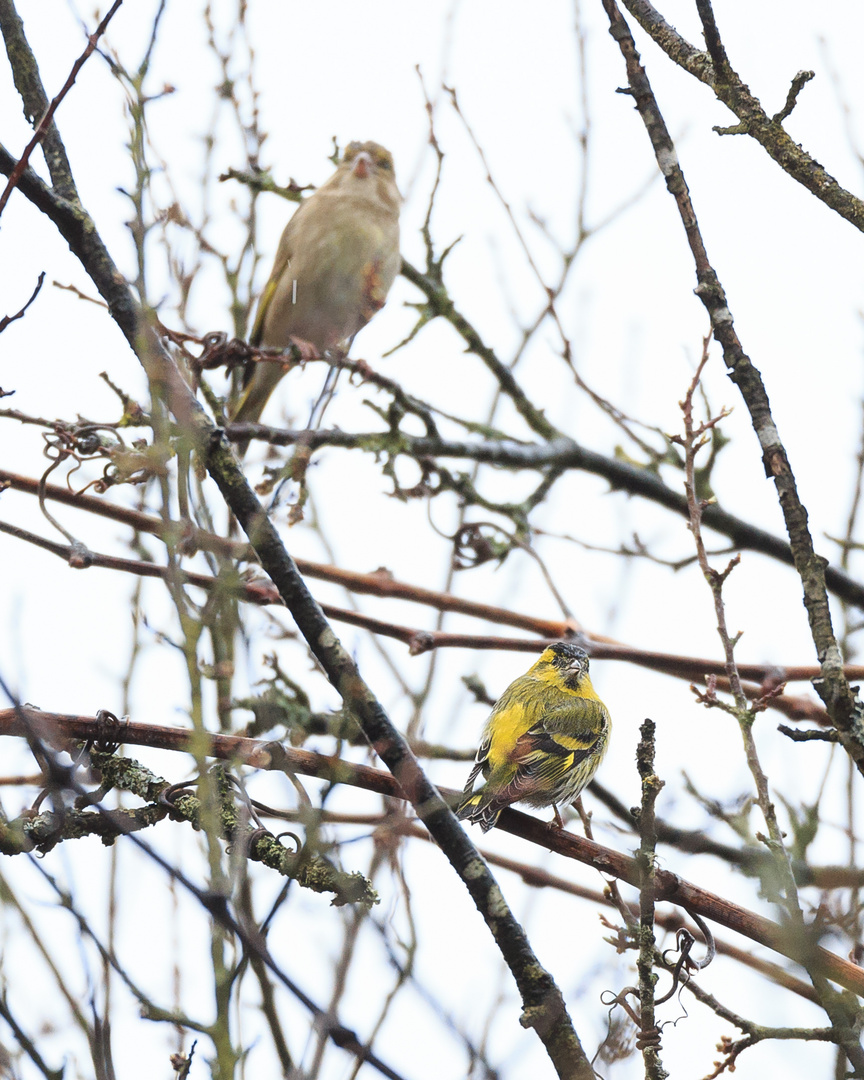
(257,393)
(479,808)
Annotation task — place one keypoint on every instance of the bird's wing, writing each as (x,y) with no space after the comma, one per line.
(575,717)
(284,254)
(566,735)
(263,304)
(259,380)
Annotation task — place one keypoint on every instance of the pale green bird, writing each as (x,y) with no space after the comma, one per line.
(336,261)
(544,739)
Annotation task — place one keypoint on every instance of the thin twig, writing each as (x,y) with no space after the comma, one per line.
(6,319)
(45,122)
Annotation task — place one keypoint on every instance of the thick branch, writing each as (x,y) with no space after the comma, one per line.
(767,131)
(543,1003)
(561,452)
(646,862)
(842,704)
(31,87)
(63,730)
(28,83)
(544,1008)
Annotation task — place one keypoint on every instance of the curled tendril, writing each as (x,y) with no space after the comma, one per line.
(474,545)
(254,835)
(37,802)
(709,942)
(649,1037)
(250,839)
(294,837)
(681,969)
(610,998)
(646,1036)
(217,350)
(685,965)
(109,732)
(251,805)
(168,797)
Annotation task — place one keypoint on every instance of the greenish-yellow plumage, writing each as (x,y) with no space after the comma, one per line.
(338,257)
(543,741)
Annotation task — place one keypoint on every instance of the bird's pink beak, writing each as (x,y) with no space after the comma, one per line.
(362,165)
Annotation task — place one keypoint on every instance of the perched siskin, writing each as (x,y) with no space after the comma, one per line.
(543,741)
(338,257)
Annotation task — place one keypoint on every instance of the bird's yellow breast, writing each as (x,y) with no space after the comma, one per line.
(510,724)
(525,703)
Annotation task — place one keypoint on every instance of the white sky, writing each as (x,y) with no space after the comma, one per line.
(792,271)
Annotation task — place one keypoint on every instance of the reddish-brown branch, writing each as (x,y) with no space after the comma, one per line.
(41,130)
(542,879)
(380,583)
(262,591)
(842,703)
(63,730)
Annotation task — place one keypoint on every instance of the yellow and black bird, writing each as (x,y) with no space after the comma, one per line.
(543,741)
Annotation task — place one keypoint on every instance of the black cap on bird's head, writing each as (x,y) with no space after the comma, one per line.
(570,660)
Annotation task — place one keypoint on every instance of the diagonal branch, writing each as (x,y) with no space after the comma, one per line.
(842,704)
(46,124)
(754,121)
(28,83)
(543,1004)
(564,453)
(62,730)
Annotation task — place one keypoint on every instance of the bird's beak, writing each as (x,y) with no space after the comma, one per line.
(362,165)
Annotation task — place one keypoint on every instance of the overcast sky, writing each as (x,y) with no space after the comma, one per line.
(793,274)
